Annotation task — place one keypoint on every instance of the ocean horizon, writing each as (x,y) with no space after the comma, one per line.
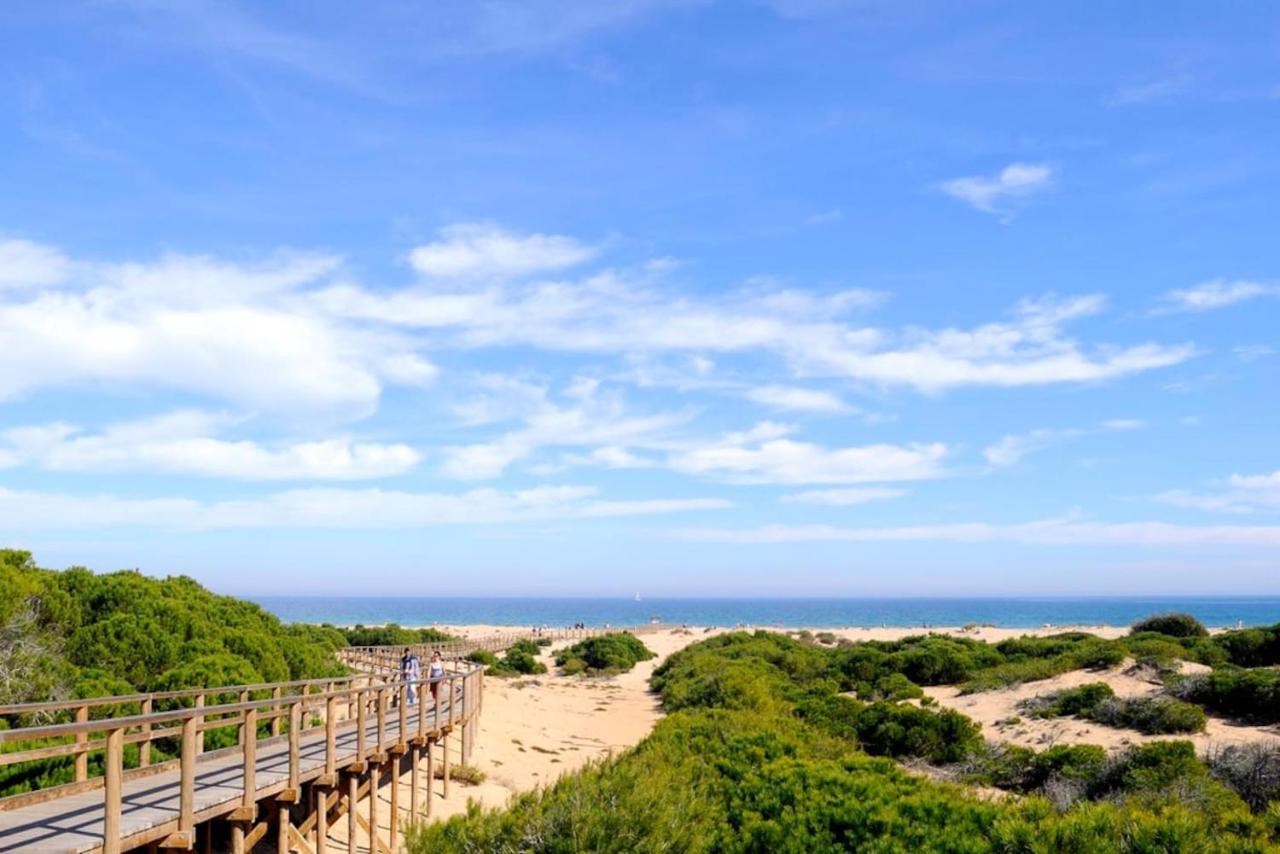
(1012,612)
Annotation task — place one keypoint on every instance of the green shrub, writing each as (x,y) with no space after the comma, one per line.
(482,656)
(392,634)
(517,662)
(1258,647)
(1080,700)
(612,653)
(1151,715)
(890,729)
(1251,694)
(1097,702)
(1172,624)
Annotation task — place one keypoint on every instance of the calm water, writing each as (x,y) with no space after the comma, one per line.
(1011,613)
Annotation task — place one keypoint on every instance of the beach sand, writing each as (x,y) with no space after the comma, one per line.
(535,729)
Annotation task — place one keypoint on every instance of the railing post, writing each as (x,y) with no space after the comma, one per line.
(82,740)
(330,736)
(199,724)
(144,747)
(186,797)
(250,758)
(244,698)
(295,725)
(382,721)
(360,704)
(403,701)
(275,711)
(113,785)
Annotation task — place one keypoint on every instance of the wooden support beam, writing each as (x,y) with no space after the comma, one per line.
(395,801)
(300,842)
(352,818)
(255,835)
(431,774)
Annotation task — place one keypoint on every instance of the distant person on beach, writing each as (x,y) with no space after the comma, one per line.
(435,672)
(410,672)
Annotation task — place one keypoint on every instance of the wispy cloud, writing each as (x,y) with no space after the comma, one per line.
(844,497)
(1012,447)
(1150,91)
(797,399)
(1244,494)
(1047,532)
(187,442)
(1002,192)
(1218,293)
(482,250)
(765,454)
(328,508)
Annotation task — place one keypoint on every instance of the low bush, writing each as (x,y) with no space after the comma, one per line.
(891,729)
(612,653)
(392,634)
(1097,702)
(1080,700)
(1175,625)
(517,662)
(482,656)
(1251,694)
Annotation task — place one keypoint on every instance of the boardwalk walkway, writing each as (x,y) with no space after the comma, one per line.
(150,804)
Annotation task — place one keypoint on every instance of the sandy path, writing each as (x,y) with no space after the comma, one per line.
(533,729)
(994,709)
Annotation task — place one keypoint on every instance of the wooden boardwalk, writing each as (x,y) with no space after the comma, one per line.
(307,754)
(151,805)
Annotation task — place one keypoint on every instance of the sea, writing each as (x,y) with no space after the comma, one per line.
(816,613)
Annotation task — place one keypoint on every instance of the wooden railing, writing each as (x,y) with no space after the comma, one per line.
(261,713)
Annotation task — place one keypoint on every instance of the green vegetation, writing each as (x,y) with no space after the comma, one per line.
(1097,702)
(74,634)
(521,659)
(1251,694)
(393,635)
(759,754)
(1173,624)
(608,654)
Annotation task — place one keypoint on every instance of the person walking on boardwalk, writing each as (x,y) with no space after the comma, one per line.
(435,672)
(410,672)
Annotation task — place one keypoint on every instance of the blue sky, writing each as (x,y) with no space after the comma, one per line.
(796,297)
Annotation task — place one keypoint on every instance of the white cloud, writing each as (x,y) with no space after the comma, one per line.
(1013,447)
(478,250)
(246,334)
(328,508)
(1218,293)
(765,455)
(185,442)
(1242,494)
(1124,424)
(612,313)
(24,264)
(287,334)
(1048,532)
(594,418)
(1253,352)
(843,497)
(995,193)
(798,399)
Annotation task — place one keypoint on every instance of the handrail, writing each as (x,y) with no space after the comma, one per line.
(302,712)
